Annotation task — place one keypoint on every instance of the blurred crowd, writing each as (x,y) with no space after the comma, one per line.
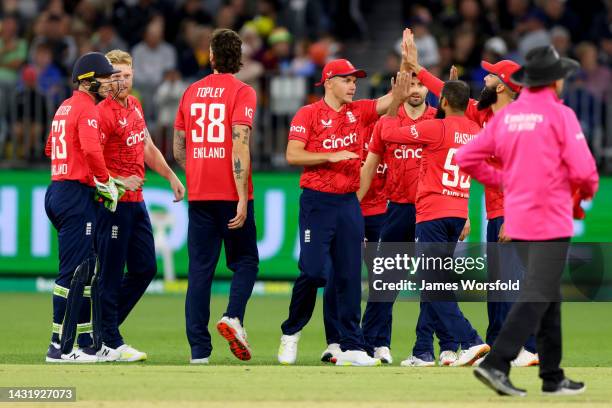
(285,45)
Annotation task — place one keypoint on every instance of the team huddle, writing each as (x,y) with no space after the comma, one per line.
(393,169)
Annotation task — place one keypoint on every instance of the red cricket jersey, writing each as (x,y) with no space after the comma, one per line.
(375,201)
(207,111)
(322,129)
(443,189)
(402,160)
(123,136)
(494,198)
(74,142)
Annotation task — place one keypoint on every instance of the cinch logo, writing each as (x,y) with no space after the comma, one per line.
(134,138)
(335,142)
(408,153)
(298,129)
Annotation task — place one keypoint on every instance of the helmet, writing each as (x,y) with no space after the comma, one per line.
(92,65)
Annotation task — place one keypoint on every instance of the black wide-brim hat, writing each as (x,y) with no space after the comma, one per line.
(543,66)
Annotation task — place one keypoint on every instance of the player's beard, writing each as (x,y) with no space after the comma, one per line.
(416,102)
(488,96)
(440,114)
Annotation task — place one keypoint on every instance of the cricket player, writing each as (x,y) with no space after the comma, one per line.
(77,171)
(545,160)
(326,138)
(125,237)
(211,141)
(373,209)
(498,92)
(441,207)
(400,188)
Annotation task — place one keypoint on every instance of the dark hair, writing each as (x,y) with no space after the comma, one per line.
(227,52)
(457,93)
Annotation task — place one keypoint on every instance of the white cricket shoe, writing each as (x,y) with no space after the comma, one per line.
(330,355)
(199,360)
(287,351)
(414,361)
(231,329)
(76,356)
(130,354)
(383,354)
(357,358)
(469,356)
(106,354)
(447,357)
(525,359)
(477,362)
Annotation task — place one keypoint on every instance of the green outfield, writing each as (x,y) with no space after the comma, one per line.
(157,326)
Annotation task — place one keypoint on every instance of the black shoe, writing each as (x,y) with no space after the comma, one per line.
(498,381)
(54,354)
(565,387)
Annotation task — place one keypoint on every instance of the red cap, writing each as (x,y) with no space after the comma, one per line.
(503,69)
(339,67)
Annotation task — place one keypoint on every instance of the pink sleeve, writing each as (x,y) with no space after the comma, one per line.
(89,138)
(577,156)
(300,126)
(472,157)
(244,108)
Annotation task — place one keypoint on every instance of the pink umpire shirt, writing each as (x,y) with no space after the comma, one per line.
(544,158)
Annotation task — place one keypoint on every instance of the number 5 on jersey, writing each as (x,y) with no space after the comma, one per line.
(463,181)
(214,130)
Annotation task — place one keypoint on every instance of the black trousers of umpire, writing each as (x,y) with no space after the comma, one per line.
(537,311)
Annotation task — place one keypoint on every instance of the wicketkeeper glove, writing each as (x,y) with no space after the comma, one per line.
(109,192)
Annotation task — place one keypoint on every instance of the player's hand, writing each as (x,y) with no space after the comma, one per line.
(410,54)
(502,237)
(341,156)
(177,188)
(131,183)
(400,87)
(454,74)
(241,214)
(577,210)
(109,193)
(466,230)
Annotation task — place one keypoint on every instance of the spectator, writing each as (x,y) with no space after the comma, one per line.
(278,57)
(191,10)
(51,81)
(167,98)
(107,39)
(132,20)
(13,51)
(427,46)
(195,57)
(153,56)
(557,14)
(561,40)
(532,33)
(595,78)
(30,117)
(302,64)
(265,20)
(227,18)
(54,32)
(252,70)
(380,81)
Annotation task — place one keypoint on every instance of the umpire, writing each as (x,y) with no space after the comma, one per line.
(546,161)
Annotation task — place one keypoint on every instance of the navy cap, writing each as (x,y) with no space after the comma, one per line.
(92,65)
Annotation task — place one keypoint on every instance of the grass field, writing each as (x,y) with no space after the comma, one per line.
(157,326)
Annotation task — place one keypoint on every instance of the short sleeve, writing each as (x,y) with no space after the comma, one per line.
(244,108)
(179,120)
(300,125)
(367,109)
(376,145)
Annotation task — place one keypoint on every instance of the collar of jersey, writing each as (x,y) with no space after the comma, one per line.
(329,108)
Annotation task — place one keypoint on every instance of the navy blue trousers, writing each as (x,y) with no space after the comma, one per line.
(399,226)
(498,311)
(123,238)
(331,235)
(72,211)
(207,231)
(443,318)
(373,225)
